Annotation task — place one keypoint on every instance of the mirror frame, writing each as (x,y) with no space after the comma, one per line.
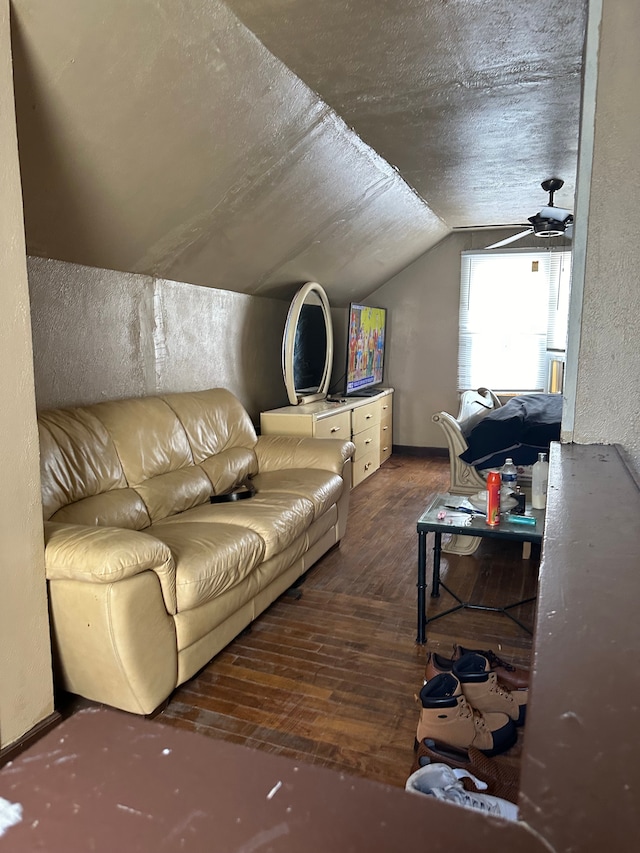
(289,338)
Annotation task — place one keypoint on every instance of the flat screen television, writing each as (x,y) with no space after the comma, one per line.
(366,338)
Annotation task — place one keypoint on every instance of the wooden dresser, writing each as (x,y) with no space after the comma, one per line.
(367,421)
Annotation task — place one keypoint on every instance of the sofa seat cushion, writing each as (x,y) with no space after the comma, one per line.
(209,558)
(322,488)
(278,518)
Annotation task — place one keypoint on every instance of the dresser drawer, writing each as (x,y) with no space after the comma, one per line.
(366,416)
(367,441)
(386,436)
(335,426)
(385,442)
(365,466)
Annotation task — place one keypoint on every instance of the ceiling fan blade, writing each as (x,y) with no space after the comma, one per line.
(511,239)
(493,227)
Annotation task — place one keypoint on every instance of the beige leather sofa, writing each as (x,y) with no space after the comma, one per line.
(148,579)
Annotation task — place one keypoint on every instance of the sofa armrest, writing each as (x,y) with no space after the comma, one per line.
(107,555)
(277,452)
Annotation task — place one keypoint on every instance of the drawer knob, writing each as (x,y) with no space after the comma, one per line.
(335,429)
(367,466)
(368,441)
(368,417)
(385,428)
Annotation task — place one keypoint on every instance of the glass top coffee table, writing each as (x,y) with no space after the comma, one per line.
(442,517)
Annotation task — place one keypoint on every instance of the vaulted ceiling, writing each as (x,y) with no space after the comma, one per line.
(253,145)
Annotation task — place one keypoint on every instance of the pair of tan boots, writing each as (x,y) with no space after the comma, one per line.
(469,706)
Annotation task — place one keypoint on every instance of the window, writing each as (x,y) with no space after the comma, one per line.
(514,307)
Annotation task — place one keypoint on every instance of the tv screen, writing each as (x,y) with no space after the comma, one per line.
(365,348)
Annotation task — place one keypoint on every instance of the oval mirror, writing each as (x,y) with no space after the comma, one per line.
(307,345)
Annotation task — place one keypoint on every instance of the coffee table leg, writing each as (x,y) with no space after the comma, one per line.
(437,551)
(422,586)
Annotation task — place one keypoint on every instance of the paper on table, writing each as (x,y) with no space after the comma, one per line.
(461,500)
(459,519)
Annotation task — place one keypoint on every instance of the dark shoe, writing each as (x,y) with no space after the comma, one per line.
(446,716)
(502,780)
(512,677)
(482,690)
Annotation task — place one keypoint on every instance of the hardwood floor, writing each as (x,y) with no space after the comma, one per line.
(330,672)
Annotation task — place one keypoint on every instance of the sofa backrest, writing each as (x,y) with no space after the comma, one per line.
(81,476)
(220,435)
(128,463)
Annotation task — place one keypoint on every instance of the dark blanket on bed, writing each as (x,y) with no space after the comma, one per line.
(522,428)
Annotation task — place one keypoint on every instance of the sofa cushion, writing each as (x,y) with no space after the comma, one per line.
(213,421)
(78,459)
(148,436)
(278,518)
(220,434)
(322,488)
(229,468)
(209,558)
(155,454)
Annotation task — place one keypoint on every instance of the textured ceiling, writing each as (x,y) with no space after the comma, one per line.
(256,144)
(475,102)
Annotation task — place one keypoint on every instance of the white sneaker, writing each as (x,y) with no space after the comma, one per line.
(443,782)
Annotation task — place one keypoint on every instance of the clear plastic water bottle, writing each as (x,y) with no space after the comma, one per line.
(509,476)
(540,477)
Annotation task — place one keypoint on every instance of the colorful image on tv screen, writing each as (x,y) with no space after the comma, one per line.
(365,360)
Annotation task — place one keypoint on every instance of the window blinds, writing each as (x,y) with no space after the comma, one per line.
(513,314)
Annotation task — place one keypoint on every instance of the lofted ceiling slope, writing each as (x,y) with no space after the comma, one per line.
(474,101)
(252,145)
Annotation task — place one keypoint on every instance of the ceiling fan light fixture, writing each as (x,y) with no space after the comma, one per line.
(545,226)
(548,228)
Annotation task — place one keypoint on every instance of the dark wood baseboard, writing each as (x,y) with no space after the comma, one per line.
(14,749)
(420,451)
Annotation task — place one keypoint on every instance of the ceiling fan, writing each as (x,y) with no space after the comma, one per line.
(551,221)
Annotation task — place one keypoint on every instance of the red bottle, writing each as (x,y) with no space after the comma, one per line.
(494,482)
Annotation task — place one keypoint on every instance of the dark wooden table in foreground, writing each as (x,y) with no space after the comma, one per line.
(106,781)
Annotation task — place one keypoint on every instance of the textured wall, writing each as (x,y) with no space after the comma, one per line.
(608,371)
(205,338)
(26,693)
(421,360)
(92,333)
(100,334)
